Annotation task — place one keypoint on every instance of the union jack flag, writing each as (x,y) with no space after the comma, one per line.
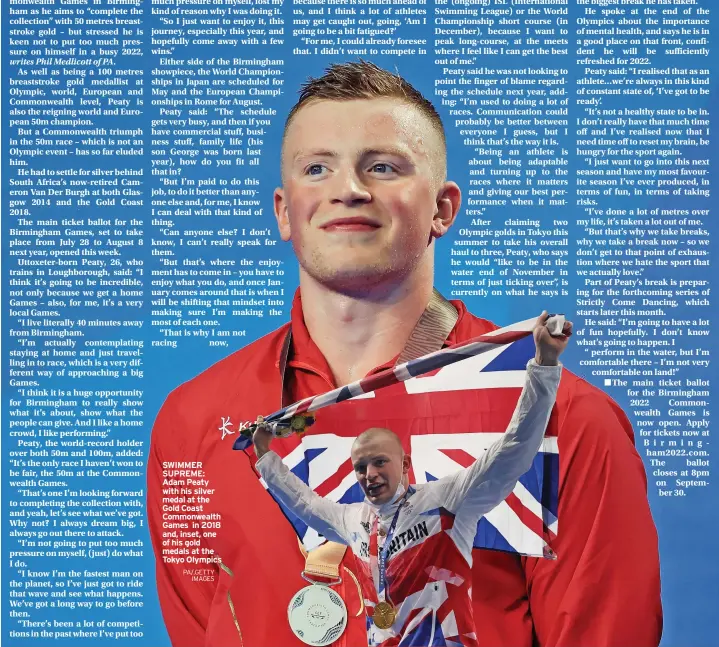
(447,414)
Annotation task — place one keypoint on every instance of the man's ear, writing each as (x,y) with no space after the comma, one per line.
(449,200)
(406,464)
(283,220)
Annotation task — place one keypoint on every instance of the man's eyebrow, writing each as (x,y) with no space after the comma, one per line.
(375,150)
(387,150)
(318,152)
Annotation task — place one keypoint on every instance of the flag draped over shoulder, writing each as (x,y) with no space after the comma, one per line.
(447,407)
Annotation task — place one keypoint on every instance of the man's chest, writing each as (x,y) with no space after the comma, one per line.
(444,428)
(418,520)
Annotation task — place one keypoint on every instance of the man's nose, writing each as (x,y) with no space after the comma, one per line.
(349,188)
(372,473)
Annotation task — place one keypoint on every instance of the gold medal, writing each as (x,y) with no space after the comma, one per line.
(384,615)
(301,421)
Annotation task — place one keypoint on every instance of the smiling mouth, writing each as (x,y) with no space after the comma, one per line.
(356,223)
(374,490)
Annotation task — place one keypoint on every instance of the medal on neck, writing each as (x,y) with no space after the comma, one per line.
(384,613)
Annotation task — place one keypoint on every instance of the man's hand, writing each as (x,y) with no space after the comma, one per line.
(261,440)
(549,348)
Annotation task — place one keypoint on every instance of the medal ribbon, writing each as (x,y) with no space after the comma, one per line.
(378,559)
(399,373)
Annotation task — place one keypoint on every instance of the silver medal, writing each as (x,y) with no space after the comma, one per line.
(317,615)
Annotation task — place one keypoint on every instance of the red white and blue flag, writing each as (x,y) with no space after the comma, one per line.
(447,408)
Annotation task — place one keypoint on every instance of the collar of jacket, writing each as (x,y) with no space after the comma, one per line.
(432,331)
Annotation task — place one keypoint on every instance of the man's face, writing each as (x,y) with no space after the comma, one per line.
(363,191)
(380,464)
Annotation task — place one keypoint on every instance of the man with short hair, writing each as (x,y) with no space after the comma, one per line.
(404,535)
(363,198)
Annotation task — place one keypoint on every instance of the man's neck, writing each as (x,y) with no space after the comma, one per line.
(356,334)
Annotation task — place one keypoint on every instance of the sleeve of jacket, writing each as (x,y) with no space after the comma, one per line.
(323,515)
(603,589)
(185,604)
(489,480)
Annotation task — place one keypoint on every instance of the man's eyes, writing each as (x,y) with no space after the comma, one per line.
(361,469)
(314,169)
(382,167)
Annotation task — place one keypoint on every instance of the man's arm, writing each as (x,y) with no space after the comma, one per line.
(323,515)
(603,589)
(491,478)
